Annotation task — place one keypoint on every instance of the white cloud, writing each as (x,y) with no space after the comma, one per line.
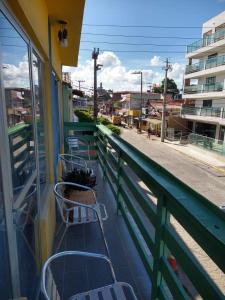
(177,73)
(17,76)
(156,61)
(114,75)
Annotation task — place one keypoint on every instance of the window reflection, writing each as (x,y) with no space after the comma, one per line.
(5,286)
(39,112)
(16,82)
(25,224)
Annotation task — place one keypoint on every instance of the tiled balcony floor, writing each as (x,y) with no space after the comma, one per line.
(76,275)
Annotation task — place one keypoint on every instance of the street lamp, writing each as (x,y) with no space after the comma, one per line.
(140,116)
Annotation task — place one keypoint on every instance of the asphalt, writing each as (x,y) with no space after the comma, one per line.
(201,170)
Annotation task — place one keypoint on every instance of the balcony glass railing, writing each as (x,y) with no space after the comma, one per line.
(213,38)
(124,166)
(194,68)
(192,89)
(206,64)
(215,87)
(203,111)
(204,88)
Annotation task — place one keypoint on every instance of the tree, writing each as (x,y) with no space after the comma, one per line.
(171,87)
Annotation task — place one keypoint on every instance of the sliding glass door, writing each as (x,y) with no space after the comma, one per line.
(22,107)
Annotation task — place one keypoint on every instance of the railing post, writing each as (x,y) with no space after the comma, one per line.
(105,156)
(160,248)
(221,112)
(118,182)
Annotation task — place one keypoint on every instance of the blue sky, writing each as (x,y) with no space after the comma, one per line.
(166,13)
(146,12)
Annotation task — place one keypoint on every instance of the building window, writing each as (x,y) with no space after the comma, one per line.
(211,80)
(207,103)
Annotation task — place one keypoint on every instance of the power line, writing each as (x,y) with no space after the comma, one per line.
(141,36)
(134,44)
(142,26)
(137,51)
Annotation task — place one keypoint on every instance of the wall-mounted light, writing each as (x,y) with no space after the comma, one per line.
(63,34)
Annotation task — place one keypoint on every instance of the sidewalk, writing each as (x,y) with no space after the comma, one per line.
(210,158)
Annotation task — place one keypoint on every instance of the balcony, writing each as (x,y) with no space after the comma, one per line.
(209,40)
(148,200)
(204,88)
(206,64)
(203,111)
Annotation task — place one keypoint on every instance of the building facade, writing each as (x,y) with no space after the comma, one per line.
(204,81)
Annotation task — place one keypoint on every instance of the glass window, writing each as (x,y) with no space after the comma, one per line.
(26,226)
(207,103)
(39,112)
(5,285)
(16,83)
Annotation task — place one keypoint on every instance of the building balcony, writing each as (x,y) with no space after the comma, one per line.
(206,64)
(213,115)
(207,41)
(203,111)
(204,90)
(147,204)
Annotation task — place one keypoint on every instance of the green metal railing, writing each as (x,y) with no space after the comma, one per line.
(85,134)
(207,143)
(123,166)
(206,41)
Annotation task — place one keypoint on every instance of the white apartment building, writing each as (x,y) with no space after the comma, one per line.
(204,81)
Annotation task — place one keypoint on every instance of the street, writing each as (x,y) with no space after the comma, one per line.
(199,176)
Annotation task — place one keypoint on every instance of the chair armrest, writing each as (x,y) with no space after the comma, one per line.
(69,159)
(75,185)
(75,253)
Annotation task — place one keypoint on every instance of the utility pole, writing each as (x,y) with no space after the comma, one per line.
(140,116)
(95,54)
(79,81)
(167,68)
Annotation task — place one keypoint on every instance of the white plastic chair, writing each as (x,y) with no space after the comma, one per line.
(114,290)
(82,213)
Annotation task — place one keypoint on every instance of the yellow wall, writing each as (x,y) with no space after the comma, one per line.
(33,15)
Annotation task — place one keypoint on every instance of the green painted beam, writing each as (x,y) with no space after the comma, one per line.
(140,197)
(147,260)
(192,268)
(139,220)
(172,281)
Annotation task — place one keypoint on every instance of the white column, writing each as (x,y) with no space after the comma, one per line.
(193,127)
(217,132)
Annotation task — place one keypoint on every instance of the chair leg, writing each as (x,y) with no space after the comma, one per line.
(60,242)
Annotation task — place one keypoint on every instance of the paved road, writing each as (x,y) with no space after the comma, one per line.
(202,178)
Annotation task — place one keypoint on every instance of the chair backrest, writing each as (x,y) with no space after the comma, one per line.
(59,193)
(71,162)
(73,143)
